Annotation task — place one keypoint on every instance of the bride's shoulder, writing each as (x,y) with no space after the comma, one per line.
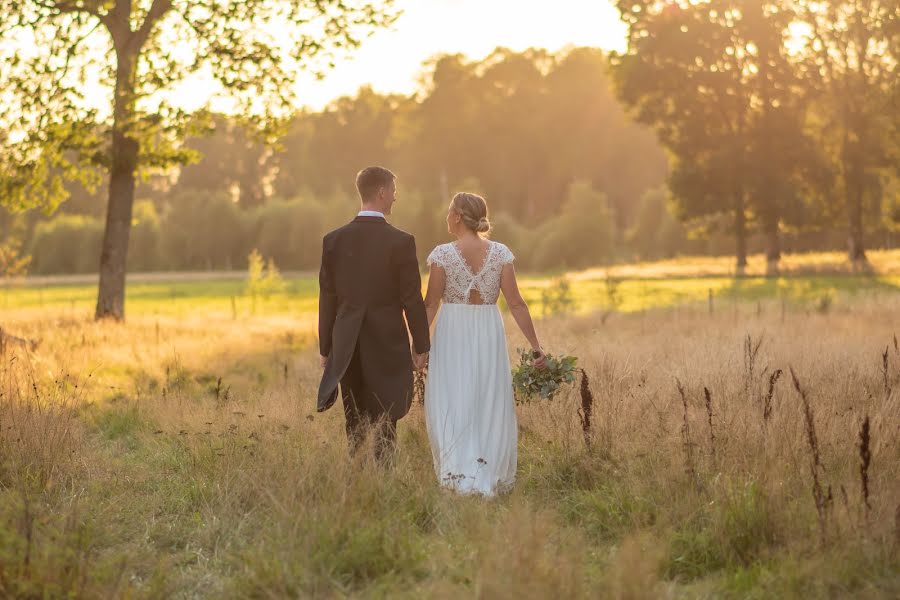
(503,252)
(439,254)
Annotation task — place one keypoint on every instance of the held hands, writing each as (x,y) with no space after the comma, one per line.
(420,361)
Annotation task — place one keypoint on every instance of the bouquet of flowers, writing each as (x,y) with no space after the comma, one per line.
(529,382)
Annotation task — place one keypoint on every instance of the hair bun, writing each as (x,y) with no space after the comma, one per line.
(473,211)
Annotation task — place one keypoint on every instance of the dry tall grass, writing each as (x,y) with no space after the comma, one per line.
(183,458)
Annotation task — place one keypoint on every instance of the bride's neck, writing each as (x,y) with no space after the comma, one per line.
(466,235)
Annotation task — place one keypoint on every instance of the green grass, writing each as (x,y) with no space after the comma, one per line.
(227,297)
(634,295)
(175,298)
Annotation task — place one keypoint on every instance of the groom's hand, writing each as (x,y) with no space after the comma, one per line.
(420,361)
(323,360)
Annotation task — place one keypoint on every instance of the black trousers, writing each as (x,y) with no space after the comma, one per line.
(364,412)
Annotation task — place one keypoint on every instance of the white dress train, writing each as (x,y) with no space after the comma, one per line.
(469,406)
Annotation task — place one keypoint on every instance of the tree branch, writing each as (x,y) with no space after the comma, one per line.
(71,6)
(71,52)
(156,12)
(74,6)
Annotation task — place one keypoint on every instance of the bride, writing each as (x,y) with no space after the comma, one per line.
(469,406)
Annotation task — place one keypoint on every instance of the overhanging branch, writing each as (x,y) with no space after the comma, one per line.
(156,12)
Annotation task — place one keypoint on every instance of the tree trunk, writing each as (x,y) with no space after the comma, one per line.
(251,175)
(740,233)
(250,191)
(857,250)
(767,201)
(773,248)
(124,157)
(853,173)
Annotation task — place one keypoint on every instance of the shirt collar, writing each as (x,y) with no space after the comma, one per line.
(370,213)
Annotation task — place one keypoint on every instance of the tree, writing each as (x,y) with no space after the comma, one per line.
(13,263)
(437,139)
(323,151)
(14,260)
(54,52)
(656,233)
(526,125)
(715,81)
(589,136)
(581,235)
(780,157)
(233,162)
(676,77)
(852,49)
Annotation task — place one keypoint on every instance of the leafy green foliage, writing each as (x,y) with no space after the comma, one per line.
(53,51)
(12,262)
(775,114)
(557,297)
(67,231)
(523,126)
(581,234)
(140,51)
(263,277)
(531,382)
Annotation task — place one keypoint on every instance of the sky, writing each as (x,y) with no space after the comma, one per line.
(391,59)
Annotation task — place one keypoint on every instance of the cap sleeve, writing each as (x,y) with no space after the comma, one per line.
(506,255)
(436,257)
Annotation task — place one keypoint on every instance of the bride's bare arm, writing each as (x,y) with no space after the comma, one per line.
(437,279)
(519,308)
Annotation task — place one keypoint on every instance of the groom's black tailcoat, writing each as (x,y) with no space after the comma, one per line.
(369,278)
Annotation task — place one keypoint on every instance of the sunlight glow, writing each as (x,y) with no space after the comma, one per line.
(391,60)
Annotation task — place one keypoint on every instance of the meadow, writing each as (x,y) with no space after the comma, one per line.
(744,448)
(806,281)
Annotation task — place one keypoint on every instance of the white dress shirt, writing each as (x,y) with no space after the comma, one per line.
(370,213)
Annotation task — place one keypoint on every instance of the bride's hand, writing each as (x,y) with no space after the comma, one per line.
(540,360)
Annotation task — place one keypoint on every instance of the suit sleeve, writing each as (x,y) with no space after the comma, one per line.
(411,296)
(327,302)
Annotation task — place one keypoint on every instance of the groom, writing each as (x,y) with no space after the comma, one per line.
(369,278)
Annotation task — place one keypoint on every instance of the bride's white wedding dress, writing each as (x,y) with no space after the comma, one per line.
(469,406)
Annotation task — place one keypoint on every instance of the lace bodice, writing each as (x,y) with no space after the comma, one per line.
(460,278)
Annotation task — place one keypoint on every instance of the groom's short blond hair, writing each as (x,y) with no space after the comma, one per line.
(371,179)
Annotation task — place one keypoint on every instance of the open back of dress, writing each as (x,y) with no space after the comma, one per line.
(461,281)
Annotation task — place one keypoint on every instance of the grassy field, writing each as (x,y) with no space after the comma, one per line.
(179,454)
(620,289)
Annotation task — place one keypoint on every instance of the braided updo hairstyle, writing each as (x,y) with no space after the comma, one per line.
(473,211)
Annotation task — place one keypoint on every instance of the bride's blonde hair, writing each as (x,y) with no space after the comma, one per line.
(473,210)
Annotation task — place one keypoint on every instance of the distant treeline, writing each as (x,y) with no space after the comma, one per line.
(570,180)
(207,231)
